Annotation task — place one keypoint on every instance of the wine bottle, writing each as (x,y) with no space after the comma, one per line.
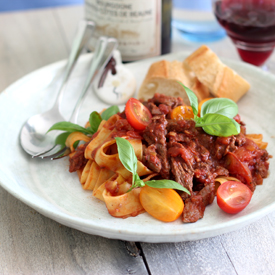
(142,27)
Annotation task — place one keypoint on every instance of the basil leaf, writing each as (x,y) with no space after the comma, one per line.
(76,143)
(138,181)
(128,158)
(69,127)
(110,112)
(219,125)
(222,106)
(127,155)
(166,184)
(61,139)
(192,98)
(94,120)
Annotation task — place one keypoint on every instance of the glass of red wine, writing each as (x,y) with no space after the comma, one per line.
(251,26)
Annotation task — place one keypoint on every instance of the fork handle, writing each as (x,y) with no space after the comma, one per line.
(103,52)
(84,32)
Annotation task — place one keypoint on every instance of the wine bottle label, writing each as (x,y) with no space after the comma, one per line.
(136,24)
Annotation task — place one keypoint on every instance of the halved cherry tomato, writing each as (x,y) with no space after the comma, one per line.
(200,104)
(182,112)
(238,169)
(233,196)
(161,203)
(137,114)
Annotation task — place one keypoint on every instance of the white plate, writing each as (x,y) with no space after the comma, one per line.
(49,188)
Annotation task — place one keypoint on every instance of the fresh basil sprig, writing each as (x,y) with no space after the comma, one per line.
(218,125)
(222,106)
(110,112)
(70,127)
(94,119)
(216,116)
(61,139)
(193,100)
(128,158)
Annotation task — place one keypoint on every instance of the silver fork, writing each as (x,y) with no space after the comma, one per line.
(103,52)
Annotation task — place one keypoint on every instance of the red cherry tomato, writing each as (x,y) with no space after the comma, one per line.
(137,114)
(233,196)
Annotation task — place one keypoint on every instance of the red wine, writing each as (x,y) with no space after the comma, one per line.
(251,26)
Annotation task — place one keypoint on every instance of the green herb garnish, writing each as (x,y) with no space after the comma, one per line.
(110,112)
(216,116)
(94,119)
(61,139)
(222,106)
(218,125)
(128,159)
(69,127)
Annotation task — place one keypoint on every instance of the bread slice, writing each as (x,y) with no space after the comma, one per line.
(221,80)
(163,76)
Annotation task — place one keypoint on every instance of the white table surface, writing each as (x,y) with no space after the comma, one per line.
(33,244)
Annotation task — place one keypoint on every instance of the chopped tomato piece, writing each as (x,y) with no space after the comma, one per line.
(233,196)
(258,139)
(137,114)
(182,112)
(161,203)
(237,118)
(238,169)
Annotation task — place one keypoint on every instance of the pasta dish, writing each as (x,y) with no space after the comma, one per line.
(169,145)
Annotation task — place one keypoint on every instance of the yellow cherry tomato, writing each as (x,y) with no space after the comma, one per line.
(182,112)
(163,204)
(200,104)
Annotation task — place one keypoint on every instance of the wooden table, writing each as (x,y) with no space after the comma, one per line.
(33,244)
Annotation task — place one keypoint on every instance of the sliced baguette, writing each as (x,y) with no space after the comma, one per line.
(163,76)
(221,80)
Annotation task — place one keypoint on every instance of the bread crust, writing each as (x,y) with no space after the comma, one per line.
(163,77)
(202,72)
(221,80)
